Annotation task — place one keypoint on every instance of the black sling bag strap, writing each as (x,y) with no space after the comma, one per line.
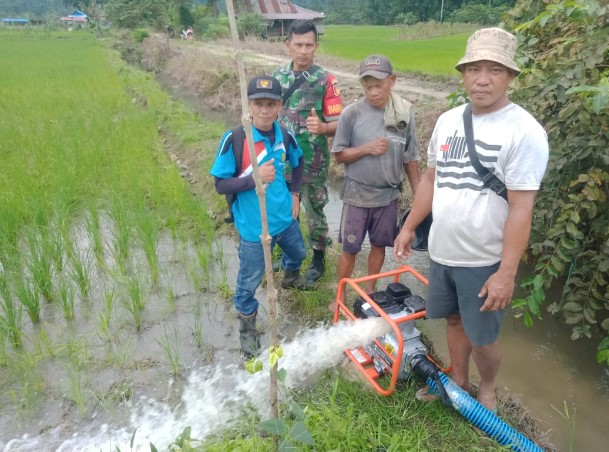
(488,179)
(299,81)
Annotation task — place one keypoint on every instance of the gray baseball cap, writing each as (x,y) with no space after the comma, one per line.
(377,66)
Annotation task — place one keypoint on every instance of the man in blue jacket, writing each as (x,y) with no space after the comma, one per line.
(275,148)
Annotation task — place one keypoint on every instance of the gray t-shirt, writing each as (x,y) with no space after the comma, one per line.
(373,180)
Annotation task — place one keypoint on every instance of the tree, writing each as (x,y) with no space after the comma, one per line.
(138,13)
(565,84)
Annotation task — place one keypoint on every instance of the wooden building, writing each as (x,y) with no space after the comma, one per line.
(280,13)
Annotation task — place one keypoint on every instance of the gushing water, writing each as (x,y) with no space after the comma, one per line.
(216,396)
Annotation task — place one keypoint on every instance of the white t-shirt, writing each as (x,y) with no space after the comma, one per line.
(468,218)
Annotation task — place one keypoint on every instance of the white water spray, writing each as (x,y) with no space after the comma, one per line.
(218,395)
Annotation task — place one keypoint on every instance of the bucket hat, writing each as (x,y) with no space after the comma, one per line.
(492,44)
(377,66)
(264,87)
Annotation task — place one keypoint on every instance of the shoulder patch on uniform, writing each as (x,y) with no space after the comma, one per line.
(335,88)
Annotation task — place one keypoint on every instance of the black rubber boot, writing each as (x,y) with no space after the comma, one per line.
(250,343)
(277,264)
(318,266)
(292,279)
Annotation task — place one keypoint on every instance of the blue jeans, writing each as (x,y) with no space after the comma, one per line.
(251,264)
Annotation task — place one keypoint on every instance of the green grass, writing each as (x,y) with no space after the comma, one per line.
(432,56)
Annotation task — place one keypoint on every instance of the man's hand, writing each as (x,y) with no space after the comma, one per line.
(295,205)
(498,290)
(315,125)
(402,245)
(267,171)
(377,147)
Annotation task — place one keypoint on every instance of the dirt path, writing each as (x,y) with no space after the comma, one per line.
(203,74)
(411,88)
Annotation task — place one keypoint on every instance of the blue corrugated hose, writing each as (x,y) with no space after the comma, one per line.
(483,418)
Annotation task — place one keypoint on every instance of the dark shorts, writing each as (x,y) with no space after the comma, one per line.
(379,222)
(455,290)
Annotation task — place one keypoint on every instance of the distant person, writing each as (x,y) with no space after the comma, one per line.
(311,107)
(477,236)
(376,141)
(274,153)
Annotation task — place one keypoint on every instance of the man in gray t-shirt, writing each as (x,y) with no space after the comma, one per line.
(376,141)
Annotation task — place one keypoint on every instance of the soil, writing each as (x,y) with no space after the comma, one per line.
(204,75)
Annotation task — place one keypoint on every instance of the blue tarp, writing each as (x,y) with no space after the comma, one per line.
(15,21)
(77,13)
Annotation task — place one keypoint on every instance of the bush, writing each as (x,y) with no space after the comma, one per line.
(565,85)
(213,27)
(406,19)
(140,34)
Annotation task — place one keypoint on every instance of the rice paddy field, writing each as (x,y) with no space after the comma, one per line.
(430,49)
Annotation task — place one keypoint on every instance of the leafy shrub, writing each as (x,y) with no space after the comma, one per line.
(565,85)
(140,34)
(406,18)
(215,28)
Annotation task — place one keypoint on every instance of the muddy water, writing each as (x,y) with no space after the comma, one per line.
(556,378)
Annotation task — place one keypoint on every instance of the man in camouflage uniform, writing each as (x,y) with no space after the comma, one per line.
(311,113)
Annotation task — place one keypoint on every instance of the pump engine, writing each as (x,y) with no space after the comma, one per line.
(398,302)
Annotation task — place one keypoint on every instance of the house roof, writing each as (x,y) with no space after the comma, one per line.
(76,16)
(281,9)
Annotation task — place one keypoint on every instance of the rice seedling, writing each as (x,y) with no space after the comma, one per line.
(203,252)
(40,263)
(25,382)
(80,268)
(4,356)
(65,296)
(28,295)
(76,389)
(44,346)
(118,393)
(121,353)
(105,314)
(93,228)
(149,230)
(10,320)
(171,349)
(171,298)
(134,301)
(197,325)
(121,234)
(225,291)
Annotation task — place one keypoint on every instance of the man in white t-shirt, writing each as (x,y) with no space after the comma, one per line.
(477,237)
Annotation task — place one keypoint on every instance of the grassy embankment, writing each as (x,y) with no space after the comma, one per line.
(83,156)
(421,49)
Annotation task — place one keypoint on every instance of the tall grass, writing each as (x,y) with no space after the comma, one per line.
(436,55)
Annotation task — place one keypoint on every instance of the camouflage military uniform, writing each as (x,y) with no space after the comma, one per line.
(320,91)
